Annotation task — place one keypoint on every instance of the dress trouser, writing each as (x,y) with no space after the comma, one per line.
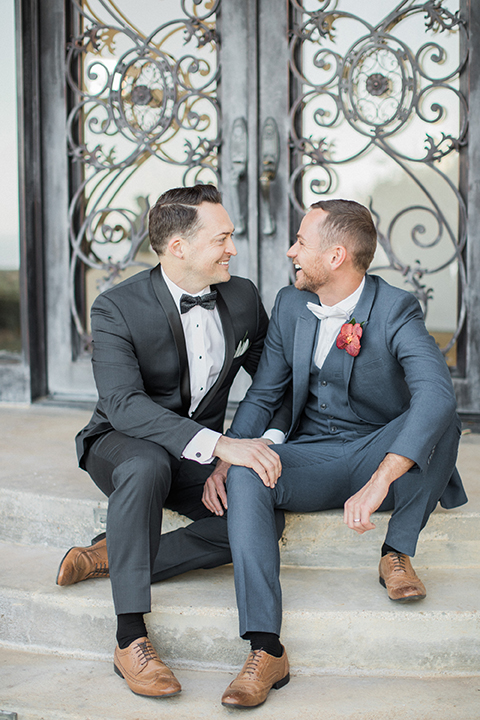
(140,478)
(321,474)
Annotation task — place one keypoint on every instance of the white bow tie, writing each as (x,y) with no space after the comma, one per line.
(322,313)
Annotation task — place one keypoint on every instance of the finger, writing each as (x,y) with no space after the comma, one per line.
(360,521)
(211,494)
(272,466)
(266,473)
(222,493)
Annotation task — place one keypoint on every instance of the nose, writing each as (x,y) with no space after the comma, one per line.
(291,252)
(230,247)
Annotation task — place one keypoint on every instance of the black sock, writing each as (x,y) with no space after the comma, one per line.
(130,627)
(265,641)
(386,549)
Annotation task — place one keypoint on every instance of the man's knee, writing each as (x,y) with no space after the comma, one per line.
(145,474)
(244,482)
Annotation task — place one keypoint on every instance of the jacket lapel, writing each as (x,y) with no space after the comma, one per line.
(229,335)
(303,344)
(361,314)
(166,301)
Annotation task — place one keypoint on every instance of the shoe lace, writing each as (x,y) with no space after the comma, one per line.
(252,663)
(398,560)
(100,570)
(145,652)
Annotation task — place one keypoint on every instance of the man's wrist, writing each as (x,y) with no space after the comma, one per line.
(391,468)
(201,447)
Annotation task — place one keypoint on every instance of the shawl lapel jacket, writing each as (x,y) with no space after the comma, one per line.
(140,361)
(399,371)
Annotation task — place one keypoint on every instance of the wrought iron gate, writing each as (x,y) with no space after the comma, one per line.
(278,103)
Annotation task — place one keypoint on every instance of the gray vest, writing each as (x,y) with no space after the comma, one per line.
(327,412)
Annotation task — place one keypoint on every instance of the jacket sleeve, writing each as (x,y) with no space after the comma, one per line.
(118,377)
(268,390)
(282,418)
(432,405)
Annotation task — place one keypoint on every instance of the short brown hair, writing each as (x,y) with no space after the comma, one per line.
(175,213)
(351,224)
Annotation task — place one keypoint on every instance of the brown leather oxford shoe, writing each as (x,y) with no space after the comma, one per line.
(143,670)
(81,563)
(259,675)
(400,579)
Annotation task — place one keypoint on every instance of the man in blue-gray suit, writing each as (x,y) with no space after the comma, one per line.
(374,426)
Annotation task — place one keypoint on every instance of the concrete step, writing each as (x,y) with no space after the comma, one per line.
(41,687)
(45,499)
(334,620)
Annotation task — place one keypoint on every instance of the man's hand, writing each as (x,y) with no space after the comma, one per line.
(214,494)
(359,507)
(252,453)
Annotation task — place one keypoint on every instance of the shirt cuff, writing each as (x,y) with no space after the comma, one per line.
(202,446)
(276,436)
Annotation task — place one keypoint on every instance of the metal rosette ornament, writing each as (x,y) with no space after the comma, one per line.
(144,103)
(378,85)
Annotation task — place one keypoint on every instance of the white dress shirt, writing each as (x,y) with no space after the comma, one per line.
(330,326)
(205,343)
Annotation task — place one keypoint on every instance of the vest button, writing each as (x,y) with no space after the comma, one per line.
(324,382)
(334,428)
(323,406)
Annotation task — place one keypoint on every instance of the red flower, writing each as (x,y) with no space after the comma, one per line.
(349,337)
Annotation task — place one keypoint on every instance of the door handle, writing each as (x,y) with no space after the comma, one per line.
(270,153)
(239,157)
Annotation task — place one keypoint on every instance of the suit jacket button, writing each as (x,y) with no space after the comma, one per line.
(323,406)
(334,428)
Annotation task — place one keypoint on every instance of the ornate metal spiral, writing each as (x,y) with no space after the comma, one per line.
(375,87)
(135,99)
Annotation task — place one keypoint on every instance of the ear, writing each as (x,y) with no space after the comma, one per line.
(337,256)
(176,246)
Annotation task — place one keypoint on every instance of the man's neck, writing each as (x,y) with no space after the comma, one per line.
(188,284)
(340,290)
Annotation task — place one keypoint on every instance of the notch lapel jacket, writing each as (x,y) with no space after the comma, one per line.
(140,361)
(399,372)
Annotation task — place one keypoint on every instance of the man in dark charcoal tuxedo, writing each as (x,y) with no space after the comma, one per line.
(167,345)
(373,426)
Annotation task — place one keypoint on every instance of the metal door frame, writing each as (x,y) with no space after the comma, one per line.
(249,65)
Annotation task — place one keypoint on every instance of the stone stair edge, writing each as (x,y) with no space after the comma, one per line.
(213,667)
(194,619)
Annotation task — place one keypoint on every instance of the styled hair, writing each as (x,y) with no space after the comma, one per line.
(175,213)
(350,224)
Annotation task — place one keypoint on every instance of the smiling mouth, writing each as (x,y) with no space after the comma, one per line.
(296,267)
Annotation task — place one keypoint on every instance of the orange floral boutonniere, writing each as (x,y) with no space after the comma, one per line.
(349,337)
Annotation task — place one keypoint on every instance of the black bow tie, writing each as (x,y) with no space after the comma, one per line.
(187,302)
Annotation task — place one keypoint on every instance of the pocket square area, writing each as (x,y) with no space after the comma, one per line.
(242,348)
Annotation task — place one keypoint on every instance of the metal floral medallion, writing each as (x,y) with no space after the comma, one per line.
(144,116)
(379,116)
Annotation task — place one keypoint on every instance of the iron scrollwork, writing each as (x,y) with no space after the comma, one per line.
(377,87)
(137,98)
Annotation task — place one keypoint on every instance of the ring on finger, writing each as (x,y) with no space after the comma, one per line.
(356,520)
